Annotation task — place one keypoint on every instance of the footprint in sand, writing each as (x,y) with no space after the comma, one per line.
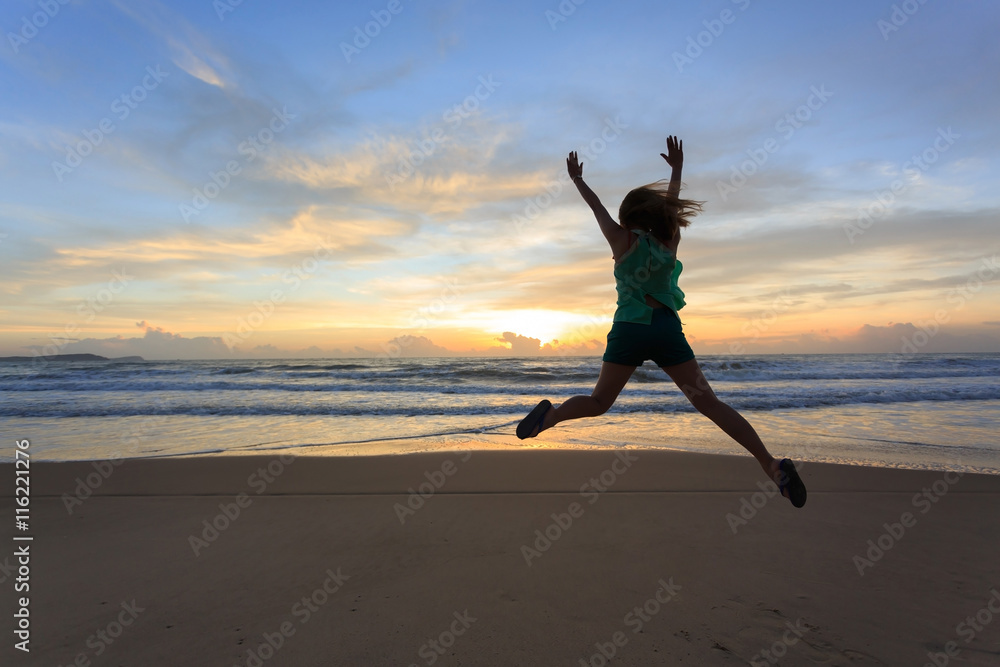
(766,634)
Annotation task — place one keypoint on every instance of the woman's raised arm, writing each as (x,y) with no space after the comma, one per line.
(612,231)
(675,158)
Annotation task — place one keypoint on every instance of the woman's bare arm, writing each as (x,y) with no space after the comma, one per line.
(612,231)
(675,158)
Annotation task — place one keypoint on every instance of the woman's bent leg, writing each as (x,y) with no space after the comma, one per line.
(609,384)
(689,378)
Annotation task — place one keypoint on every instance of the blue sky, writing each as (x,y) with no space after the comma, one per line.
(321,243)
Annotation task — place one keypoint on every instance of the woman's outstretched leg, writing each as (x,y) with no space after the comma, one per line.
(692,382)
(609,384)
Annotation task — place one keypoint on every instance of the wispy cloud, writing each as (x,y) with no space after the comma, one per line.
(333,232)
(189,49)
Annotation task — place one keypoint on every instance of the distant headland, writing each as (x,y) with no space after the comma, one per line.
(70,357)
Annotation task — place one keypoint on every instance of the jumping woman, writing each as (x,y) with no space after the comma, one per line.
(646,324)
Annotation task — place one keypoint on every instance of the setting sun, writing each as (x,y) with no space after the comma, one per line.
(545,325)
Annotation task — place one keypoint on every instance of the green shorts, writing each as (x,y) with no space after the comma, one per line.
(662,340)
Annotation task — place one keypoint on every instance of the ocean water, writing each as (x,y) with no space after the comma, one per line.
(931,411)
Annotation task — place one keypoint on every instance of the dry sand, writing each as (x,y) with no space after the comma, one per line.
(327,562)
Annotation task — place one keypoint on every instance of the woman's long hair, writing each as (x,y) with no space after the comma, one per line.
(653,209)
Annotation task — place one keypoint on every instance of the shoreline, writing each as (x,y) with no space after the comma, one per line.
(585,440)
(527,470)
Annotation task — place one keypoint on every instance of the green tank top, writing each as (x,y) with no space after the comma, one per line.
(647,267)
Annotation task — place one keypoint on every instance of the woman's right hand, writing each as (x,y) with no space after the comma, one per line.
(573,166)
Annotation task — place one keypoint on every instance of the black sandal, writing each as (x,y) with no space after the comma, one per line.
(791,482)
(534,418)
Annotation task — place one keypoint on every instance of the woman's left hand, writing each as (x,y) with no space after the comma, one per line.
(675,152)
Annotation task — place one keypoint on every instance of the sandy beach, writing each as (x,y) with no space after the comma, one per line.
(530,557)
